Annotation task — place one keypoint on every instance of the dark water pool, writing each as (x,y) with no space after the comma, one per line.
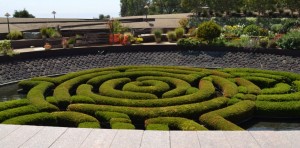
(10,92)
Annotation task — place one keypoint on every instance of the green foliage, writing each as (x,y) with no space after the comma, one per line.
(171,35)
(15,35)
(229,89)
(142,113)
(157,127)
(37,98)
(18,111)
(263,42)
(188,42)
(280,88)
(23,14)
(289,109)
(208,31)
(33,119)
(176,123)
(89,125)
(251,88)
(81,99)
(73,119)
(291,40)
(13,104)
(121,125)
(224,119)
(5,48)
(49,32)
(107,116)
(252,30)
(276,28)
(179,32)
(280,97)
(157,33)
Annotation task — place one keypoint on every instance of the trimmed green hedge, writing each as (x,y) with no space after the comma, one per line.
(260,81)
(33,119)
(296,85)
(242,96)
(280,88)
(290,109)
(14,112)
(82,99)
(157,127)
(121,125)
(89,125)
(62,91)
(72,119)
(180,85)
(13,104)
(229,89)
(251,88)
(141,113)
(36,97)
(224,119)
(205,92)
(106,116)
(280,97)
(176,123)
(108,88)
(147,86)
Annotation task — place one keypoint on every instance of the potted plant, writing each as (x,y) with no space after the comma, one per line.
(78,39)
(47,46)
(157,35)
(64,43)
(139,40)
(171,35)
(71,42)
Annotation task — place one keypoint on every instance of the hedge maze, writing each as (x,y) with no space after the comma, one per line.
(156,98)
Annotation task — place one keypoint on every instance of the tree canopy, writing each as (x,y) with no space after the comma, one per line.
(137,7)
(23,14)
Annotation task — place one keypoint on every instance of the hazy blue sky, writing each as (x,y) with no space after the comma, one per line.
(63,8)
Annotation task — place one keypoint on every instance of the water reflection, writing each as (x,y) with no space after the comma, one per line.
(10,92)
(259,124)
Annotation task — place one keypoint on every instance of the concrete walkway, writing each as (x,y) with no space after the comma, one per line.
(13,136)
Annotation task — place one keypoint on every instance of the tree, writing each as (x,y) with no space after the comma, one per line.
(23,14)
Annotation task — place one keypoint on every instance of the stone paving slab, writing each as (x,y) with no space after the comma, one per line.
(13,136)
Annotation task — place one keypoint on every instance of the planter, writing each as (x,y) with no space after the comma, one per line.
(71,45)
(114,38)
(157,40)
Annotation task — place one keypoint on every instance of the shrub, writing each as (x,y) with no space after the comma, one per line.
(229,89)
(252,30)
(183,22)
(89,125)
(142,113)
(188,42)
(205,92)
(276,28)
(263,42)
(222,119)
(5,48)
(15,35)
(157,127)
(72,119)
(82,99)
(208,31)
(12,104)
(14,112)
(171,35)
(260,81)
(120,120)
(280,97)
(296,85)
(251,88)
(291,40)
(147,86)
(280,88)
(120,125)
(176,123)
(108,89)
(33,119)
(106,116)
(289,109)
(179,32)
(36,97)
(242,96)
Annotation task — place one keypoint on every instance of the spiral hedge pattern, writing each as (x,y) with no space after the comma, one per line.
(156,98)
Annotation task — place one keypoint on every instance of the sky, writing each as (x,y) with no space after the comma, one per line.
(64,8)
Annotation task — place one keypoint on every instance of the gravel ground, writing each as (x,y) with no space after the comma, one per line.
(18,70)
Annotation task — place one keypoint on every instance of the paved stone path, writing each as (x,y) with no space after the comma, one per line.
(13,136)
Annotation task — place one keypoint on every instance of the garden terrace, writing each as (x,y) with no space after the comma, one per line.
(155,98)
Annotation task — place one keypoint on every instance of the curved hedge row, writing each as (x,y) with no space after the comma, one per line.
(176,123)
(125,97)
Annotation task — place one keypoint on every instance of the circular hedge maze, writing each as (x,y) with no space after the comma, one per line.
(156,98)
